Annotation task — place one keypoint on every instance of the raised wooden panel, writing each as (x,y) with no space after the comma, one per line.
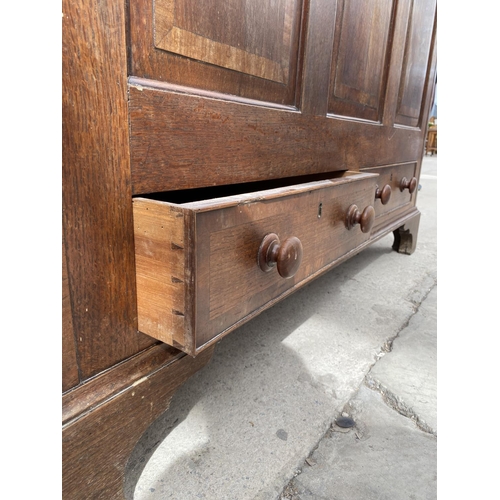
(361,57)
(247,48)
(229,33)
(418,47)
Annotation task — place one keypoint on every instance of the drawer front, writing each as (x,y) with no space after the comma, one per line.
(198,270)
(395,176)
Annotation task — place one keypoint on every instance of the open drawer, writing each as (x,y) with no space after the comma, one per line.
(396,186)
(204,267)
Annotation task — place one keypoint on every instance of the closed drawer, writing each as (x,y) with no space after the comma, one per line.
(205,267)
(402,183)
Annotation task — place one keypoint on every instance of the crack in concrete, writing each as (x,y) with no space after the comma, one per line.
(387,347)
(290,492)
(397,404)
(389,398)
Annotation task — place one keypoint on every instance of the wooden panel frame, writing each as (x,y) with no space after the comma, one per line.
(70,375)
(106,417)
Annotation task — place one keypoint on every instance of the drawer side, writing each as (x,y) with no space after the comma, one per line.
(160,270)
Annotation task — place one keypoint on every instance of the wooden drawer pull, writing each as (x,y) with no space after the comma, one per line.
(286,256)
(411,185)
(365,219)
(384,194)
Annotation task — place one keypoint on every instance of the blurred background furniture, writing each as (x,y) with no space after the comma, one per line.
(431,140)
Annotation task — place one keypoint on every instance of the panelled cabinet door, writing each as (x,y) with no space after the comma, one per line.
(232,91)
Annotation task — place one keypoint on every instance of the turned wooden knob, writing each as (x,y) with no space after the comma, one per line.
(411,185)
(384,194)
(286,256)
(365,219)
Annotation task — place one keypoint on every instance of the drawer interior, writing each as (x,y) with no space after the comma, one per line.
(185,196)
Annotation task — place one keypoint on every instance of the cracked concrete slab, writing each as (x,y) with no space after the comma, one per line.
(392,450)
(384,457)
(407,377)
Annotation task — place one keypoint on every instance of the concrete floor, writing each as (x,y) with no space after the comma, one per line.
(259,421)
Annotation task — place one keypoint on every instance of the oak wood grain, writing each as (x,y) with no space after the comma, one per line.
(161,270)
(110,383)
(233,34)
(215,142)
(97,205)
(194,123)
(391,175)
(96,446)
(417,64)
(233,47)
(317,59)
(70,376)
(361,58)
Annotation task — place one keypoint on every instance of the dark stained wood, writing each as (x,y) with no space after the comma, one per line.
(212,141)
(70,376)
(96,445)
(361,57)
(236,47)
(364,217)
(97,207)
(384,194)
(390,177)
(411,109)
(410,184)
(111,383)
(318,49)
(286,256)
(405,237)
(233,34)
(395,64)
